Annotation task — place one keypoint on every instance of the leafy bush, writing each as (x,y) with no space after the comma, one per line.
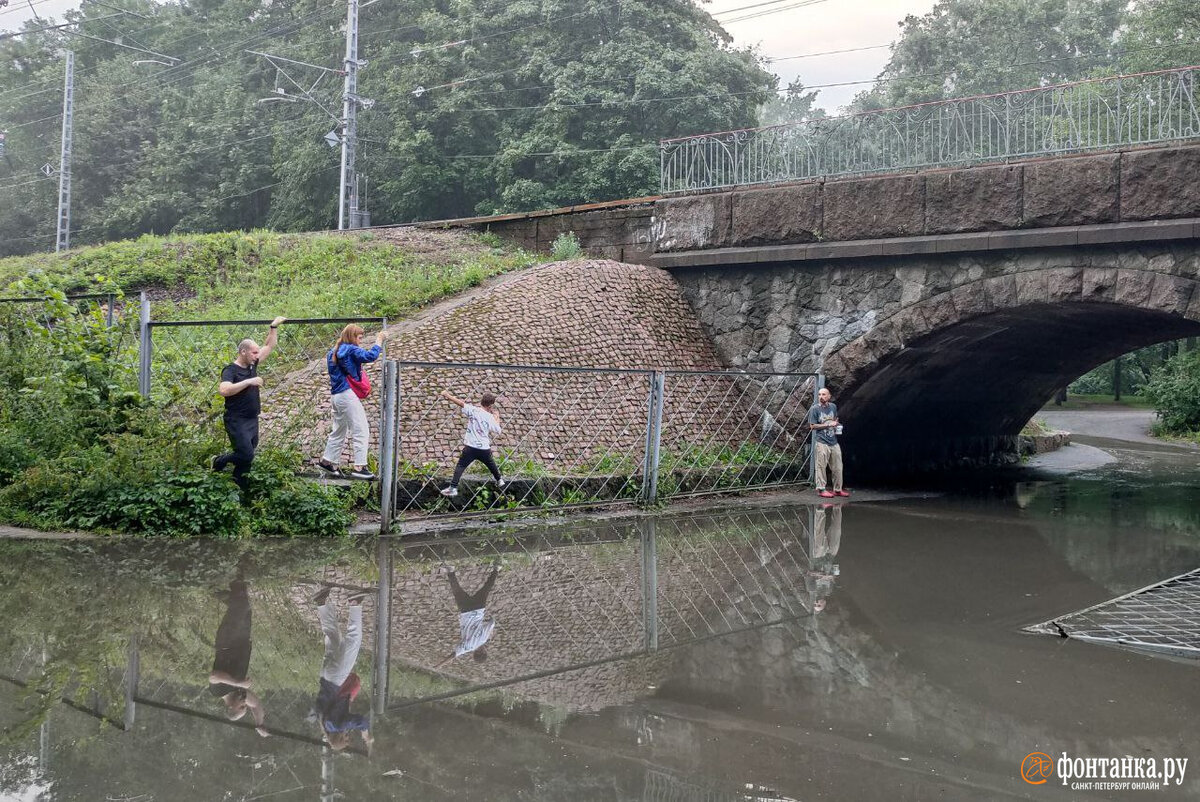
(1174,389)
(285,505)
(154,482)
(566,246)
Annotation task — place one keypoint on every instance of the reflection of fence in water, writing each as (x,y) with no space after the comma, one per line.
(661,786)
(569,615)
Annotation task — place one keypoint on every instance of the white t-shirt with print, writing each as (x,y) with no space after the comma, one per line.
(481,425)
(475,631)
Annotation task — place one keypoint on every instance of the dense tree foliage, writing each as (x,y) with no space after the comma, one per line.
(968,47)
(471,97)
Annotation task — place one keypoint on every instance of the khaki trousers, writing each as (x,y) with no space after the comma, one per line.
(829,457)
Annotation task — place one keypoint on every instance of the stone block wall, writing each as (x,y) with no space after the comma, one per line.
(1151,184)
(1125,186)
(620,230)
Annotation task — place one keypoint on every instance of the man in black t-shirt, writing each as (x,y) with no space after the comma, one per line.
(230,675)
(239,387)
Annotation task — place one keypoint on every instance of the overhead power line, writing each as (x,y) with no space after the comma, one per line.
(769,11)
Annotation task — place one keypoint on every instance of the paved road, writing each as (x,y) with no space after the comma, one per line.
(1110,423)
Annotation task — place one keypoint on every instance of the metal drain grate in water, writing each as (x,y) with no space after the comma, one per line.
(1162,618)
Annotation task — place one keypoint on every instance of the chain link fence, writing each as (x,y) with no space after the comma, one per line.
(591,436)
(571,436)
(1163,618)
(182,366)
(45,320)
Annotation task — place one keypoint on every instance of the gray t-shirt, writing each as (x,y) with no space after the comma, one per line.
(821,413)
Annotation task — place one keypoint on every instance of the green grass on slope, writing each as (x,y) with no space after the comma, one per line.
(261,274)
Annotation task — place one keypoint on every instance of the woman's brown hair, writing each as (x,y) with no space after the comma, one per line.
(347,337)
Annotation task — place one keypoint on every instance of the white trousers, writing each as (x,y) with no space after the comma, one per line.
(349,420)
(341,651)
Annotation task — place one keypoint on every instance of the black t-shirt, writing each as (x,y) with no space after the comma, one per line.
(245,404)
(233,640)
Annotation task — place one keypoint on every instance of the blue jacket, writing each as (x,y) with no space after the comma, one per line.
(352,358)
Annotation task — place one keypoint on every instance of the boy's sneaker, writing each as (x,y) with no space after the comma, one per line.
(825,493)
(450,492)
(331,469)
(362,473)
(501,482)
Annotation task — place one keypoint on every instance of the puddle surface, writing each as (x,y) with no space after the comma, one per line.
(871,651)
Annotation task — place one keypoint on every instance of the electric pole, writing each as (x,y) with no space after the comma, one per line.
(346,132)
(348,197)
(64,162)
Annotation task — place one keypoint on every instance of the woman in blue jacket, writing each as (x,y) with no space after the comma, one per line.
(345,360)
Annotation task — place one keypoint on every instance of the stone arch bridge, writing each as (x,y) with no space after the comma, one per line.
(944,307)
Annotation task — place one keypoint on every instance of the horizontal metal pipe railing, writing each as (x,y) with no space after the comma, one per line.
(267,322)
(523,368)
(33,299)
(1095,114)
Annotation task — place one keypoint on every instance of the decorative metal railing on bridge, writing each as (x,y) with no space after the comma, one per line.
(1097,114)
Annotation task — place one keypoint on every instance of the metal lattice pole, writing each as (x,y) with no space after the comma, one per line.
(348,197)
(64,163)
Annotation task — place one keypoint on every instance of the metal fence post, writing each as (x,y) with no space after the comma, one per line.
(383,629)
(108,314)
(144,346)
(650,584)
(387,447)
(133,670)
(654,410)
(819,382)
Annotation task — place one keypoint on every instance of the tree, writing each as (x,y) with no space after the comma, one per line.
(497,105)
(968,47)
(794,105)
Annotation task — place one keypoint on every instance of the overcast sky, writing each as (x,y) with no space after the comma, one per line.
(786,28)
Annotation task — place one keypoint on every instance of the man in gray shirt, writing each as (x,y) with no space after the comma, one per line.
(823,419)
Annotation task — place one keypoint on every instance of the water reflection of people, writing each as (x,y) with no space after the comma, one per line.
(339,685)
(472,612)
(230,675)
(826,540)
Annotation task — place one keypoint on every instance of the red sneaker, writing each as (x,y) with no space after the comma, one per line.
(826,493)
(841,492)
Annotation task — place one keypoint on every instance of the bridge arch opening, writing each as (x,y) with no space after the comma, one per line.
(952,383)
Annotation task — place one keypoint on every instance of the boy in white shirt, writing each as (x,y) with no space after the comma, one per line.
(482,423)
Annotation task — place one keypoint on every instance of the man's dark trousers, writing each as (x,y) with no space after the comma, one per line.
(243,434)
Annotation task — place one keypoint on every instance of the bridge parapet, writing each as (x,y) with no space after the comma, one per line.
(1096,114)
(1140,185)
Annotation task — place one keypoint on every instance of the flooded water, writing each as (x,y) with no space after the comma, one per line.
(871,651)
